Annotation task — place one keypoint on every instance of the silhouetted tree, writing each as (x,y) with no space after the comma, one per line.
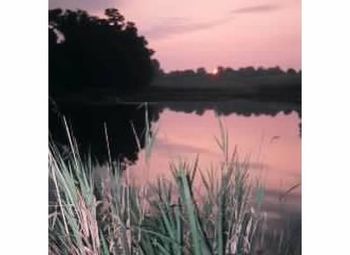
(201,71)
(188,73)
(158,71)
(274,70)
(220,70)
(88,51)
(291,71)
(247,71)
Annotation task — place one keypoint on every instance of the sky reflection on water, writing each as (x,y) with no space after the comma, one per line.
(271,144)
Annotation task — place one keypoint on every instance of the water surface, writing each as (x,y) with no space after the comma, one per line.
(270,142)
(267,134)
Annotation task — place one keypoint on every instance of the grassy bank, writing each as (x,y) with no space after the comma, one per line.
(94,214)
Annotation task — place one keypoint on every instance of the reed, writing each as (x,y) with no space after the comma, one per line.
(105,214)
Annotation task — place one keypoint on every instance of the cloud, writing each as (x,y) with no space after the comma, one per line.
(176,25)
(88,5)
(256,9)
(171,26)
(165,145)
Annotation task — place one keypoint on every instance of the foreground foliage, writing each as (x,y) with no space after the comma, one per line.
(93,213)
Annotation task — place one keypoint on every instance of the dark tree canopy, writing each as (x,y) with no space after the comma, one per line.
(87,51)
(87,124)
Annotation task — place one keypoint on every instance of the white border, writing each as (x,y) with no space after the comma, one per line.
(326,127)
(24,127)
(325,136)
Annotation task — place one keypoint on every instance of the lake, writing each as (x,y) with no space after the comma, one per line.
(267,134)
(271,144)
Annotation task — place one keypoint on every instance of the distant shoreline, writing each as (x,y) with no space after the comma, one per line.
(159,95)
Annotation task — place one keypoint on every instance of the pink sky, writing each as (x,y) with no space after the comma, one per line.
(190,34)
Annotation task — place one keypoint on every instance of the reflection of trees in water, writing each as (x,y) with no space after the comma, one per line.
(87,124)
(240,107)
(245,108)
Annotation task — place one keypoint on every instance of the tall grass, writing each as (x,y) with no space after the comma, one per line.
(105,214)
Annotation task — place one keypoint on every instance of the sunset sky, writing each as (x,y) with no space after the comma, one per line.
(205,33)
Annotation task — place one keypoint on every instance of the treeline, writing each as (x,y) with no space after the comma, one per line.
(93,52)
(229,77)
(228,72)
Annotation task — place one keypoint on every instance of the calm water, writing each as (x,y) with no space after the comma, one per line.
(266,133)
(272,144)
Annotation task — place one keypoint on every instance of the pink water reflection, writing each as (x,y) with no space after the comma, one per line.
(271,143)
